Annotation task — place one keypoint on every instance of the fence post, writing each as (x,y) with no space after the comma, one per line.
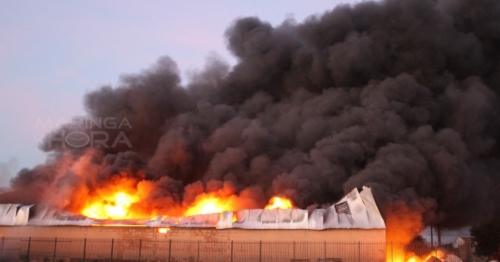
(1,252)
(198,256)
(169,248)
(359,251)
(55,248)
(84,248)
(260,251)
(231,250)
(324,250)
(29,246)
(140,249)
(112,246)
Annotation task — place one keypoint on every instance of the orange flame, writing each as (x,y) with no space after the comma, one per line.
(209,204)
(279,202)
(398,253)
(414,258)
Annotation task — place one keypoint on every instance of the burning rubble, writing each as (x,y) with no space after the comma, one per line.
(397,95)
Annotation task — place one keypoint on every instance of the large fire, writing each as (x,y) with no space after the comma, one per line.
(119,205)
(115,206)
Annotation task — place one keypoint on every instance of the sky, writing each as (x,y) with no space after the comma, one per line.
(54,52)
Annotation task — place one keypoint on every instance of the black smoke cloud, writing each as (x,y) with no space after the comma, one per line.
(399,95)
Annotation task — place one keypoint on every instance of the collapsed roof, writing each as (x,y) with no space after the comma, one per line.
(355,210)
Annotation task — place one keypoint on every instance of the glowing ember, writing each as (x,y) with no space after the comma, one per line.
(279,202)
(163,230)
(115,208)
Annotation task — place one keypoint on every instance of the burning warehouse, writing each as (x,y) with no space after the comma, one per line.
(352,220)
(400,96)
(355,210)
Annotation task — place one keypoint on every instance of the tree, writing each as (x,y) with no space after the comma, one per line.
(486,238)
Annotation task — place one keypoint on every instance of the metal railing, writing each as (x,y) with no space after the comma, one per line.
(69,250)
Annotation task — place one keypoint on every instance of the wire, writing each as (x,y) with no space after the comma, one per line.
(489,193)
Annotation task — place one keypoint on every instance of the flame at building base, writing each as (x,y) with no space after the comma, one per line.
(402,256)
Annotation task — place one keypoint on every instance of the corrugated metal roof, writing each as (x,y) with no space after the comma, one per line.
(355,210)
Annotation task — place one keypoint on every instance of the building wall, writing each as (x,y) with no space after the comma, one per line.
(202,234)
(186,244)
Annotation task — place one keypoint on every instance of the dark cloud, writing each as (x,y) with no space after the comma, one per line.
(7,171)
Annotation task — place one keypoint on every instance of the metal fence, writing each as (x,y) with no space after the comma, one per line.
(58,249)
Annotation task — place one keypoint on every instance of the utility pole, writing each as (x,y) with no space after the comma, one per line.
(432,238)
(439,236)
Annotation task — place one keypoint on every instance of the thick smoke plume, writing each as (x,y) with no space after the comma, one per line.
(398,95)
